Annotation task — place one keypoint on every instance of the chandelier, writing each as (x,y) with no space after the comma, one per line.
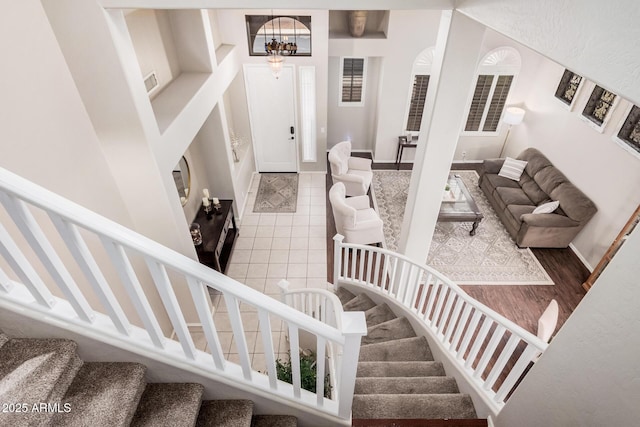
(278,49)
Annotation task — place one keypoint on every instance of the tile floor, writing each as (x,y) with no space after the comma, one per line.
(272,247)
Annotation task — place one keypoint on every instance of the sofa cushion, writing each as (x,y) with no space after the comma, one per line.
(536,161)
(573,202)
(494,181)
(548,179)
(515,212)
(532,190)
(514,196)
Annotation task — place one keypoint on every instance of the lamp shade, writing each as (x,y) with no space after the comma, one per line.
(513,115)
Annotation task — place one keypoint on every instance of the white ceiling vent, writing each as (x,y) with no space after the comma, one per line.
(151,82)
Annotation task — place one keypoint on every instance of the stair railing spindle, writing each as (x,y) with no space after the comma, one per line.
(24,270)
(28,226)
(134,289)
(90,269)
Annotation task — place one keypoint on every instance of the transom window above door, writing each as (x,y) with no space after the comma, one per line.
(496,74)
(262,29)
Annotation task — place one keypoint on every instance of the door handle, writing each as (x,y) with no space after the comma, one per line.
(291,130)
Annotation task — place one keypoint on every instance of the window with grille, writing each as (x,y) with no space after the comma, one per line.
(416,105)
(599,107)
(352,80)
(629,133)
(489,98)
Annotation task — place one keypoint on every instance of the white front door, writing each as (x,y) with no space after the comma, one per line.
(272,114)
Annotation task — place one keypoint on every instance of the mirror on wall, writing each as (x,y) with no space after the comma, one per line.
(182,178)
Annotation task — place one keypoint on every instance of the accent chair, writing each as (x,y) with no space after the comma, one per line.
(354,172)
(354,218)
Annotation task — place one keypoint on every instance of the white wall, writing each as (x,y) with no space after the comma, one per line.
(233,31)
(410,32)
(150,33)
(357,124)
(46,134)
(589,374)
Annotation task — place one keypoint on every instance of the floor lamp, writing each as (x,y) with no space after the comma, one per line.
(512,116)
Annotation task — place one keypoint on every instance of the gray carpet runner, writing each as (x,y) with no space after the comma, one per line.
(37,371)
(397,377)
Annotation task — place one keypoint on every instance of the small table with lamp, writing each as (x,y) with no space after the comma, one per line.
(405,141)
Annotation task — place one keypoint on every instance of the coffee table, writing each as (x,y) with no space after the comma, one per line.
(458,205)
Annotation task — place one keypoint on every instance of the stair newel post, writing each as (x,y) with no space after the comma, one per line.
(337,259)
(354,327)
(284,288)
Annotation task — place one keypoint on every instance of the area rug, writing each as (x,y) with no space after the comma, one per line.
(491,257)
(277,193)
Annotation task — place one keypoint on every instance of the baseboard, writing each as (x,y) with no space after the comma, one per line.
(462,162)
(390,161)
(581,258)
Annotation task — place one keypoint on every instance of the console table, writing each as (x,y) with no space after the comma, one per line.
(402,144)
(218,236)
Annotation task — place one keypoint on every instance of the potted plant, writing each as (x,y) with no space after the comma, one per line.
(308,372)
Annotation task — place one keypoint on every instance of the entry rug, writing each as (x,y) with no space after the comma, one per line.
(491,257)
(277,193)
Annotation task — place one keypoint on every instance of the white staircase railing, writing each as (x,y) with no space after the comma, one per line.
(326,307)
(41,226)
(491,351)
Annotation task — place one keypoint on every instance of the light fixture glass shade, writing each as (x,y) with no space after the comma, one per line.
(513,115)
(275,63)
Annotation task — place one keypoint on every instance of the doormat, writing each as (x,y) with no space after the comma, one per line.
(277,193)
(491,257)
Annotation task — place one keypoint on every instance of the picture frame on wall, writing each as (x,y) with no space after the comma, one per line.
(569,88)
(599,107)
(627,133)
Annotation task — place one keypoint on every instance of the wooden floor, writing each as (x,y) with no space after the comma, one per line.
(520,304)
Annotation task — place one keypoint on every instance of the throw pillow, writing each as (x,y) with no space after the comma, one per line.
(546,207)
(512,168)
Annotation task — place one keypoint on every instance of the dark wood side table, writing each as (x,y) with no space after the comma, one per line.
(402,144)
(218,236)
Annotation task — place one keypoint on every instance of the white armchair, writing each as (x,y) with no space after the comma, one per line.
(355,220)
(354,172)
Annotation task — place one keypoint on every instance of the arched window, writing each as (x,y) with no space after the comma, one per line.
(496,74)
(420,74)
(262,28)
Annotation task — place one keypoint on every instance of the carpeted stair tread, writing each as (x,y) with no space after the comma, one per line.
(425,406)
(389,330)
(344,295)
(400,369)
(103,394)
(225,413)
(35,371)
(274,421)
(402,350)
(406,385)
(379,314)
(360,303)
(170,404)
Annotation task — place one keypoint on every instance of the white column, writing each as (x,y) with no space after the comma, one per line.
(456,57)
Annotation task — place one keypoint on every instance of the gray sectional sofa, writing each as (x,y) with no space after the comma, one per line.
(514,202)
